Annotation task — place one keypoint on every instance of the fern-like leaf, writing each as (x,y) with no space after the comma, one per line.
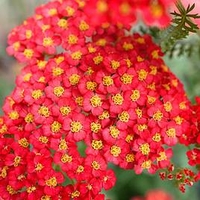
(180,27)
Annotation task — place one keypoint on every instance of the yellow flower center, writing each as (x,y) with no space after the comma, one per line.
(91,85)
(72,39)
(3,171)
(30,189)
(74,79)
(156,10)
(171,132)
(126,78)
(27,77)
(59,59)
(151,99)
(124,116)
(29,34)
(45,197)
(101,42)
(158,115)
(41,64)
(130,158)
(156,137)
(115,64)
(43,139)
(118,99)
(115,150)
(95,165)
(138,112)
(80,169)
(23,142)
(75,126)
(95,101)
(162,156)
(55,126)
(145,149)
(62,145)
(125,8)
(107,81)
(104,115)
(79,101)
(10,190)
(95,127)
(129,138)
(36,94)
(178,120)
(135,95)
(28,53)
(97,59)
(102,6)
(47,41)
(75,194)
(114,131)
(62,23)
(17,160)
(57,71)
(70,11)
(142,75)
(58,91)
(182,105)
(66,158)
(168,106)
(97,144)
(146,164)
(127,46)
(83,26)
(44,111)
(52,11)
(16,46)
(38,167)
(3,129)
(153,70)
(142,127)
(52,182)
(65,110)
(77,55)
(13,115)
(155,54)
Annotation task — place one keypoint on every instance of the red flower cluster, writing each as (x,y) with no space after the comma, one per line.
(155,195)
(126,12)
(83,87)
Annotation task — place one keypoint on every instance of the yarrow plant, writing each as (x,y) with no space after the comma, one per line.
(92,93)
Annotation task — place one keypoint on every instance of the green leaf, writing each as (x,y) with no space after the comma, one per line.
(182,24)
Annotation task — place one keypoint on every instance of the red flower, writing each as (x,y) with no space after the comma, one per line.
(193,157)
(51,183)
(75,126)
(94,103)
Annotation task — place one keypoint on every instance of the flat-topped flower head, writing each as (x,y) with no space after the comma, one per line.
(86,97)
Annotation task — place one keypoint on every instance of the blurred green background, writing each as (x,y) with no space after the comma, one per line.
(14,12)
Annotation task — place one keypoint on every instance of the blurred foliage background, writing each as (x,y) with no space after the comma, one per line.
(14,12)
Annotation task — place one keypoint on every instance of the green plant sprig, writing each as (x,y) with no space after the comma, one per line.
(182,24)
